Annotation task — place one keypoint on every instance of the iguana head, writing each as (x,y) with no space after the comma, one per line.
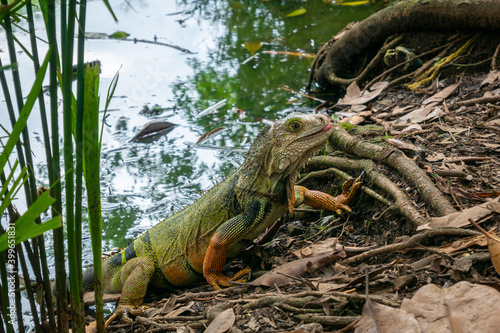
(280,150)
(294,139)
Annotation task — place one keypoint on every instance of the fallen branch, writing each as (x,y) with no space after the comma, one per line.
(328,320)
(474,101)
(271,298)
(411,242)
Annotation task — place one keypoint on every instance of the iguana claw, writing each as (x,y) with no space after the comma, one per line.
(219,280)
(124,310)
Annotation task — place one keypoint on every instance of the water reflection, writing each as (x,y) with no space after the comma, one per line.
(142,183)
(147,182)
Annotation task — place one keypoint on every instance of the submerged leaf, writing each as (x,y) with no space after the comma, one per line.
(153,131)
(252,46)
(209,134)
(119,35)
(298,12)
(355,3)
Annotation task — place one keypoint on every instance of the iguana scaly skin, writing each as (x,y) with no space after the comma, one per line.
(196,241)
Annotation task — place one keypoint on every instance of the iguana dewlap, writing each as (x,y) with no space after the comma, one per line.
(196,241)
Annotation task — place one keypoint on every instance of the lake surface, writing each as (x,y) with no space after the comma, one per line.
(145,182)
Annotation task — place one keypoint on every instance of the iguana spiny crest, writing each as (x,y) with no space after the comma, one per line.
(280,150)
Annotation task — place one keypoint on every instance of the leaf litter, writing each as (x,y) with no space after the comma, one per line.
(441,278)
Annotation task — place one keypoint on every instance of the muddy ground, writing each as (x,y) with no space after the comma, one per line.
(449,129)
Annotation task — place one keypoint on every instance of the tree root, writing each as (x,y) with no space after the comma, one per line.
(431,73)
(402,202)
(379,77)
(302,298)
(394,158)
(333,79)
(328,320)
(414,241)
(401,17)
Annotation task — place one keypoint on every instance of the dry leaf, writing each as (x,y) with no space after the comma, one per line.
(325,287)
(440,96)
(169,304)
(419,115)
(180,310)
(153,131)
(491,78)
(325,246)
(494,248)
(387,320)
(297,268)
(91,327)
(464,307)
(222,323)
(354,95)
(461,244)
(434,157)
(460,219)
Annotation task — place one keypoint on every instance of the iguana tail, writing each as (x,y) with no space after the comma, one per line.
(88,279)
(110,267)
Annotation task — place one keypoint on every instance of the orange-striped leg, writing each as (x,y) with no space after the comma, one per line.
(214,262)
(321,200)
(227,234)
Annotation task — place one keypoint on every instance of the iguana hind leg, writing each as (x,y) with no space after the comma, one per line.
(134,277)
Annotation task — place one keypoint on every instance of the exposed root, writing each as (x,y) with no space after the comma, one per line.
(404,205)
(413,241)
(394,158)
(431,73)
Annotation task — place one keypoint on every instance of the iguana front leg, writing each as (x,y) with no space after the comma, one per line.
(321,200)
(134,278)
(229,233)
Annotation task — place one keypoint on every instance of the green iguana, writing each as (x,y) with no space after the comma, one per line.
(196,241)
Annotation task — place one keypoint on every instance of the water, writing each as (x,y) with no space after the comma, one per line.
(145,182)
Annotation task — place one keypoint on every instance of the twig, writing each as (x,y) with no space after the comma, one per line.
(135,40)
(303,297)
(146,321)
(227,291)
(301,94)
(467,159)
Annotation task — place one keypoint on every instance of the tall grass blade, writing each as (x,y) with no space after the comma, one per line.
(5,296)
(26,228)
(92,180)
(8,196)
(108,6)
(25,112)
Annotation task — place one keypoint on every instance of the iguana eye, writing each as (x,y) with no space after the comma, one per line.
(294,126)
